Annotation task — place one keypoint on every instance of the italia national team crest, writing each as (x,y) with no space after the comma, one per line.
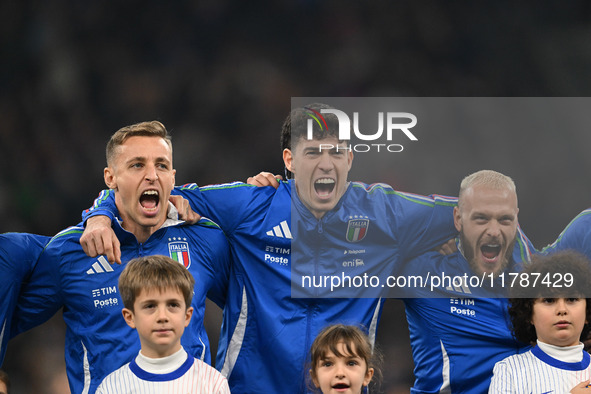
(179,251)
(357,228)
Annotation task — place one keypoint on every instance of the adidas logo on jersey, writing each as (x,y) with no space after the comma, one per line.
(464,289)
(281,231)
(100,266)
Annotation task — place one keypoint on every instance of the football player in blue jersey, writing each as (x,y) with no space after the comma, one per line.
(18,256)
(98,341)
(335,225)
(459,330)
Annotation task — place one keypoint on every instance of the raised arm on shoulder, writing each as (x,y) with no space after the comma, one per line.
(264,178)
(99,239)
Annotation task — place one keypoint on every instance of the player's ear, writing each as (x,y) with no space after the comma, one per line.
(188,315)
(109,176)
(128,316)
(173,178)
(457,218)
(288,159)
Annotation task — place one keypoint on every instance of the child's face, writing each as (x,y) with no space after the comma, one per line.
(160,319)
(342,374)
(559,321)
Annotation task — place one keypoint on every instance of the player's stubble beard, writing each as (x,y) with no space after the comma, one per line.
(468,250)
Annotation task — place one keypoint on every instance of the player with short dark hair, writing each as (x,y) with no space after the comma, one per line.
(141,174)
(262,322)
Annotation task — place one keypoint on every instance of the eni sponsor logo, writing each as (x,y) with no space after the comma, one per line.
(353,263)
(353,258)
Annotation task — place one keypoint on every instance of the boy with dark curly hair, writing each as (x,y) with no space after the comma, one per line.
(550,309)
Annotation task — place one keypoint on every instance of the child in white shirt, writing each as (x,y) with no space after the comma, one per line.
(157,293)
(556,320)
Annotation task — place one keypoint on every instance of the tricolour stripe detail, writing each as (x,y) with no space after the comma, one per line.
(524,250)
(103,195)
(436,199)
(237,338)
(69,230)
(230,185)
(207,222)
(182,257)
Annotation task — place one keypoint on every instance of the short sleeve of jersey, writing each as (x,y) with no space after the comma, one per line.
(576,235)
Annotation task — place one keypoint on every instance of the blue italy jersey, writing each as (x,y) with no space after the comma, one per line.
(576,235)
(266,334)
(18,255)
(98,341)
(457,334)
